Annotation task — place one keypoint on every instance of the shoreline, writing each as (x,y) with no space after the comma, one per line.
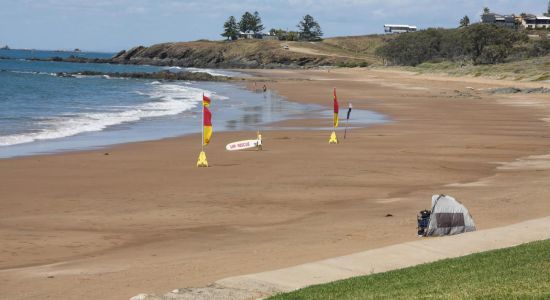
(144,219)
(86,141)
(236,114)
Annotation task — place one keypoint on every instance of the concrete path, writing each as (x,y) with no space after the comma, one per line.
(399,256)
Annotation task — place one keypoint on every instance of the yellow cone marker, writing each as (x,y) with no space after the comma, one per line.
(202,162)
(333,138)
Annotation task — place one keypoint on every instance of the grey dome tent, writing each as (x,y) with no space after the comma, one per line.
(449,217)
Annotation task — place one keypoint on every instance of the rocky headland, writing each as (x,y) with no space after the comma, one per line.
(251,54)
(207,54)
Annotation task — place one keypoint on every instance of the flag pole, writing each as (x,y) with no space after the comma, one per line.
(202,122)
(347,120)
(346,130)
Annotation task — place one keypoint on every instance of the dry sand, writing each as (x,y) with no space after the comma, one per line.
(85,225)
(263,284)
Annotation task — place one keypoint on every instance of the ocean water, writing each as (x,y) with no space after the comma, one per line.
(30,53)
(44,113)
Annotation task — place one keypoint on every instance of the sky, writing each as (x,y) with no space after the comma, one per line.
(113,25)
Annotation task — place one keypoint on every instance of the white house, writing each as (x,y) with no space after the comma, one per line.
(535,22)
(255,36)
(393,28)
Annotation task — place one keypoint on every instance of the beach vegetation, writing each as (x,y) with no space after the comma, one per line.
(532,69)
(284,35)
(478,43)
(521,272)
(541,47)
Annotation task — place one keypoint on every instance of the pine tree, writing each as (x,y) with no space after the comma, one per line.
(309,29)
(465,22)
(231,29)
(257,25)
(247,23)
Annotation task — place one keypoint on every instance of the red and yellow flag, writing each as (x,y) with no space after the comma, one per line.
(336,109)
(207,120)
(205,101)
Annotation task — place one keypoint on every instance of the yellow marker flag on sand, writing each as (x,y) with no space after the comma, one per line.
(206,130)
(333,139)
(207,120)
(336,109)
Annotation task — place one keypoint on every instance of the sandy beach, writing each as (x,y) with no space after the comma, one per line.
(144,219)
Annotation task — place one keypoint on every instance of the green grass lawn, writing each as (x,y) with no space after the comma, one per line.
(521,272)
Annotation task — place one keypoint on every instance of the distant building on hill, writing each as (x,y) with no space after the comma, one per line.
(255,36)
(392,28)
(269,36)
(499,20)
(535,22)
(245,35)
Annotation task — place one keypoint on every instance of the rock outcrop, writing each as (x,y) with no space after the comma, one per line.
(238,54)
(163,75)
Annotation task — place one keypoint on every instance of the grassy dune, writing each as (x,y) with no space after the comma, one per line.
(535,69)
(360,47)
(521,272)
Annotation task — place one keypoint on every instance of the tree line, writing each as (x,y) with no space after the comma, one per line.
(251,23)
(478,43)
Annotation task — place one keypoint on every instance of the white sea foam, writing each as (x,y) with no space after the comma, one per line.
(213,72)
(31,72)
(208,71)
(166,100)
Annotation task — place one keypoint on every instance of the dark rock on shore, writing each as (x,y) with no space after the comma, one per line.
(73,59)
(163,75)
(514,90)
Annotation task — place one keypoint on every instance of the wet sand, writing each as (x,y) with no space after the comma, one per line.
(86,225)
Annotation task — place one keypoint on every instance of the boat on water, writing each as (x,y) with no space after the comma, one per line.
(5,48)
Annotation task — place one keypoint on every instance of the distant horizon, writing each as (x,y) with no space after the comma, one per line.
(109,26)
(56,50)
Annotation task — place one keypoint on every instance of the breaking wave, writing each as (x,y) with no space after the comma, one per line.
(164,100)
